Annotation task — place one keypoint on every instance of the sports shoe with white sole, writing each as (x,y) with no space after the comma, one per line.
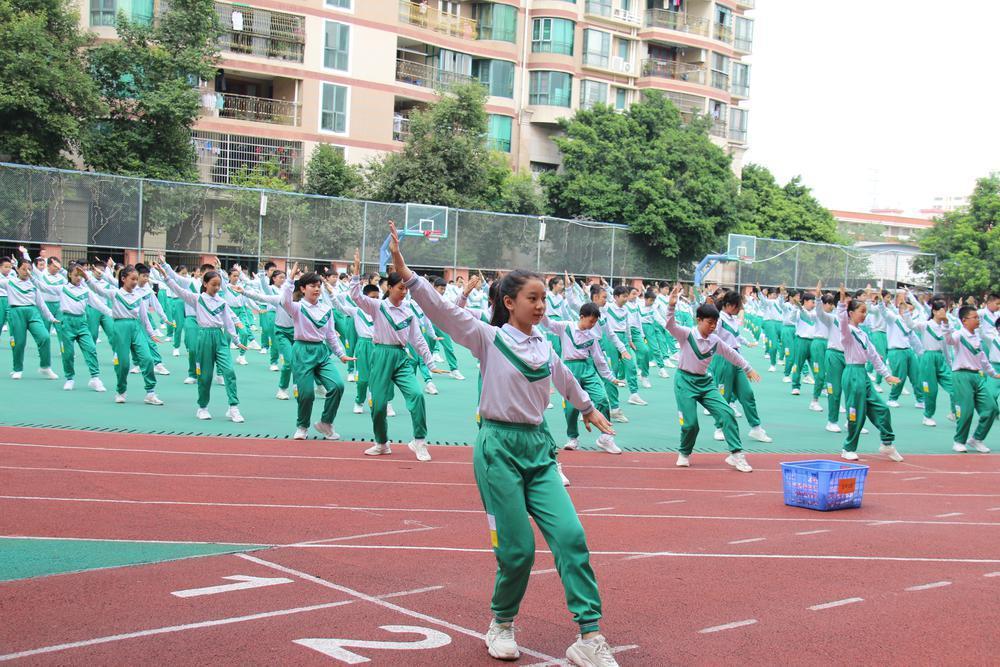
(848,456)
(683,461)
(593,652)
(456,375)
(438,359)
(233,414)
(177,352)
(663,373)
(390,411)
(219,380)
(134,370)
(959,447)
(978,446)
(160,369)
(636,399)
(739,461)
(320,391)
(500,641)
(119,398)
(608,444)
(202,413)
(549,406)
(796,392)
(927,421)
(350,377)
(919,405)
(68,385)
(952,417)
(358,409)
(892,404)
(771,368)
(719,435)
(669,363)
(843,410)
(890,451)
(97,385)
(419,447)
(282,395)
(326,430)
(273,367)
(16,375)
(431,388)
(906,392)
(47,373)
(808,379)
(190,380)
(864,431)
(264,350)
(562,475)
(759,434)
(645,383)
(253,345)
(618,416)
(152,399)
(787,379)
(572,444)
(815,406)
(878,389)
(301,434)
(242,361)
(736,410)
(378,450)
(833,428)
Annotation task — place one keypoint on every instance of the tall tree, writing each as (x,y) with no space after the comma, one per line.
(768,210)
(45,91)
(645,168)
(146,78)
(329,174)
(967,243)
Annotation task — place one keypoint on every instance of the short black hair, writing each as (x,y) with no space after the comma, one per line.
(707,311)
(965,311)
(649,294)
(369,290)
(808,296)
(142,269)
(731,298)
(590,309)
(829,298)
(440,282)
(270,265)
(621,290)
(595,289)
(554,281)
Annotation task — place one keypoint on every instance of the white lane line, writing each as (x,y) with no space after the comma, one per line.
(836,603)
(948,515)
(992,574)
(883,523)
(380,602)
(671,502)
(727,626)
(598,509)
(748,541)
(552,663)
(924,587)
(814,532)
(534,572)
(913,479)
(363,535)
(993,509)
(741,495)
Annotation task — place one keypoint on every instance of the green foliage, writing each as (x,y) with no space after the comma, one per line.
(329,174)
(645,168)
(45,91)
(240,218)
(146,79)
(967,243)
(767,210)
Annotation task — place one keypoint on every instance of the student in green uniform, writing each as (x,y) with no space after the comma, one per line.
(27,313)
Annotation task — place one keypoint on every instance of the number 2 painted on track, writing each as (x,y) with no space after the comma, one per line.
(335,647)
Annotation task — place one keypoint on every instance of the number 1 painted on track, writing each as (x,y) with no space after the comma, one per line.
(335,647)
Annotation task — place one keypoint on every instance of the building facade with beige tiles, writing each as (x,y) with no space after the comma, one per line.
(351,72)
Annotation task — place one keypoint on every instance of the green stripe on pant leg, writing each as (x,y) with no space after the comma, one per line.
(214,359)
(834,378)
(26,320)
(129,341)
(363,351)
(515,469)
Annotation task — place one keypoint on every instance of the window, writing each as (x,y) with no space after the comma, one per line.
(496,75)
(333,113)
(741,80)
(498,138)
(496,22)
(720,71)
(744,34)
(593,92)
(599,7)
(621,99)
(337,47)
(550,88)
(596,48)
(339,4)
(552,36)
(738,125)
(105,12)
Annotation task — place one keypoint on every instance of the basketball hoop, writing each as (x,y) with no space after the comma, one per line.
(432,235)
(745,259)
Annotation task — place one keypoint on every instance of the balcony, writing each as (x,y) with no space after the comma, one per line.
(742,44)
(605,9)
(400,127)
(738,136)
(680,21)
(718,128)
(257,109)
(673,69)
(739,89)
(428,76)
(745,4)
(724,33)
(262,33)
(720,80)
(424,16)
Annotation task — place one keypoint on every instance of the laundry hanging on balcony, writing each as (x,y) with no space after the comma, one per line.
(237,20)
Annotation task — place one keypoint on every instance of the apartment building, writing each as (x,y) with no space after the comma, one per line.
(351,72)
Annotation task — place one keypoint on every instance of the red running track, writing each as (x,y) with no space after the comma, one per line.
(389,542)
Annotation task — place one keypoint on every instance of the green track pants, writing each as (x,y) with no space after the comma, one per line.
(803,360)
(131,340)
(285,337)
(788,347)
(586,374)
(391,365)
(363,352)
(448,345)
(863,402)
(74,331)
(642,354)
(3,311)
(971,396)
(834,378)
(515,468)
(903,364)
(772,335)
(312,363)
(655,343)
(734,385)
(178,315)
(191,330)
(625,368)
(214,359)
(610,388)
(689,391)
(880,340)
(934,372)
(23,320)
(96,320)
(267,335)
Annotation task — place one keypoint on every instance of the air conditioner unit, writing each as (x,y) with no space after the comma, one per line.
(625,15)
(619,64)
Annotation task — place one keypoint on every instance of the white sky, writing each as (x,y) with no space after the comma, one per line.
(904,92)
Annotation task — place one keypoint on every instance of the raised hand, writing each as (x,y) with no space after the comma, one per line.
(471,284)
(356,267)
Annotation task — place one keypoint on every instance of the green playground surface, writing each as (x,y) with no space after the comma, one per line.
(451,413)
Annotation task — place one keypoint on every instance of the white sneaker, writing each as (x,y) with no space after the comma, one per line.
(16,375)
(562,475)
(833,428)
(190,380)
(892,404)
(919,405)
(619,416)
(273,367)
(134,370)
(848,456)
(282,395)
(705,411)
(952,417)
(320,391)
(500,641)
(978,446)
(593,652)
(864,431)
(253,345)
(878,389)
(771,368)
(796,392)
(664,373)
(160,369)
(390,411)
(177,352)
(47,373)
(152,399)
(438,359)
(645,383)
(906,392)
(219,380)
(719,435)
(683,461)
(808,379)
(959,447)
(232,346)
(652,364)
(430,388)
(549,406)
(787,379)
(242,361)
(927,421)
(456,375)
(326,430)
(843,410)
(358,409)
(815,406)
(378,450)
(736,410)
(350,377)
(738,460)
(670,363)
(608,444)
(636,399)
(890,451)
(759,434)
(572,444)
(68,386)
(202,413)
(301,434)
(97,385)
(264,350)
(233,414)
(871,376)
(419,447)
(119,398)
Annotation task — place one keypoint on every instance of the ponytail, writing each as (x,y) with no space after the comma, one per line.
(510,285)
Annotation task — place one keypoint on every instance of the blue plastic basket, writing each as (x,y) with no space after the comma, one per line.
(823,485)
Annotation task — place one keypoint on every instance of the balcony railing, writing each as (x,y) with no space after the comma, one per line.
(739,89)
(673,69)
(680,21)
(720,80)
(598,7)
(400,127)
(718,128)
(258,109)
(498,144)
(597,60)
(428,76)
(423,16)
(724,33)
(743,44)
(745,4)
(263,33)
(737,135)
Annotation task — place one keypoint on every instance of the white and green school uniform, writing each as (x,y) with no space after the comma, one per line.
(267,317)
(514,458)
(992,344)
(834,365)
(969,367)
(772,313)
(642,354)
(315,338)
(652,324)
(860,398)
(4,301)
(667,341)
(557,310)
(364,333)
(934,370)
(393,329)
(216,330)
(875,326)
(73,331)
(582,354)
(789,316)
(284,334)
(616,320)
(693,384)
(805,332)
(129,312)
(27,313)
(96,319)
(46,277)
(152,306)
(817,349)
(902,359)
(731,381)
(428,332)
(241,309)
